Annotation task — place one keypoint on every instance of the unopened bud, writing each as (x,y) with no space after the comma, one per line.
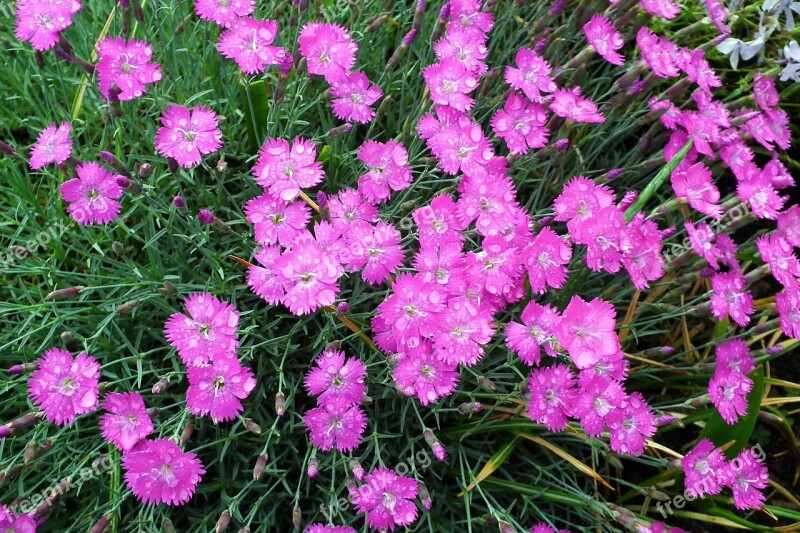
(339,130)
(383,108)
(223,522)
(356,469)
(297,517)
(169,290)
(366,401)
(659,351)
(205,216)
(5,431)
(160,386)
(424,496)
(313,468)
(506,528)
(123,182)
(101,525)
(222,165)
(67,337)
(186,434)
(393,359)
(486,383)
(261,464)
(775,349)
(375,24)
(152,412)
(23,368)
(127,307)
(342,308)
(32,451)
(656,494)
(665,420)
(280,404)
(69,292)
(470,407)
(6,149)
(167,527)
(435,444)
(252,427)
(180,205)
(145,171)
(118,248)
(561,144)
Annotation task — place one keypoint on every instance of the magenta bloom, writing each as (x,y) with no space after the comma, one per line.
(695,184)
(209,332)
(337,380)
(630,425)
(597,396)
(704,467)
(52,146)
(661,8)
(275,220)
(537,330)
(552,395)
(217,389)
(187,135)
(605,39)
(126,421)
(764,91)
(262,278)
(779,254)
(731,298)
(64,387)
(443,263)
(702,240)
(789,224)
(354,94)
(283,170)
(643,259)
(125,66)
(376,249)
(580,199)
(450,84)
(387,499)
(158,471)
(586,331)
(309,275)
(490,202)
(461,145)
(224,12)
(464,45)
(388,170)
(465,329)
(658,53)
(422,374)
(328,48)
(728,392)
(788,304)
(413,310)
(14,523)
(92,196)
(545,259)
(747,476)
(348,210)
(438,222)
(521,124)
(532,75)
(336,425)
(39,22)
(569,104)
(468,14)
(248,42)
(322,528)
(759,192)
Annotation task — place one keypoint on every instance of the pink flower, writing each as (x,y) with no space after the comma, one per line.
(606,237)
(248,43)
(789,224)
(337,380)
(779,254)
(322,528)
(328,48)
(209,332)
(734,356)
(461,145)
(521,125)
(718,15)
(64,387)
(658,53)
(579,200)
(465,329)
(93,195)
(764,200)
(388,170)
(438,222)
(39,22)
(586,331)
(696,185)
(158,471)
(728,392)
(532,75)
(276,220)
(490,202)
(187,135)
(552,395)
(386,498)
(569,104)
(12,522)
(730,298)
(468,14)
(283,170)
(537,329)
(376,249)
(788,304)
(702,241)
(354,94)
(422,374)
(704,467)
(126,421)
(442,263)
(224,12)
(125,66)
(450,83)
(597,396)
(777,174)
(348,210)
(216,389)
(643,260)
(496,270)
(697,69)
(336,425)
(464,45)
(545,260)
(262,278)
(413,310)
(764,91)
(748,477)
(630,425)
(661,8)
(309,276)
(52,146)
(605,39)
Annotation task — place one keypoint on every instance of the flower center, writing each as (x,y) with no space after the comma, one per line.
(337,381)
(205,329)
(426,371)
(93,195)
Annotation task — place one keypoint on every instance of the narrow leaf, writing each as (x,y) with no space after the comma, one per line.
(660,178)
(493,464)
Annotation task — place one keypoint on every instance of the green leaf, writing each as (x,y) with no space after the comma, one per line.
(720,433)
(660,178)
(493,463)
(255,105)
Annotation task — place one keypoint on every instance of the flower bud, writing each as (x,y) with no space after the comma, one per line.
(223,522)
(101,525)
(342,308)
(424,496)
(252,427)
(67,337)
(297,517)
(32,451)
(665,420)
(366,401)
(23,368)
(486,383)
(561,144)
(205,216)
(435,444)
(127,307)
(261,464)
(180,205)
(118,248)
(123,182)
(6,149)
(506,528)
(5,431)
(356,469)
(280,404)
(169,290)
(775,349)
(469,408)
(375,24)
(145,171)
(339,130)
(167,527)
(160,386)
(313,468)
(69,292)
(186,434)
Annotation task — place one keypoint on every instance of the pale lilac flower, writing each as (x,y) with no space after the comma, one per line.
(126,66)
(186,135)
(64,387)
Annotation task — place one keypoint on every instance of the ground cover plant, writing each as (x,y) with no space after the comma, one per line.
(335,266)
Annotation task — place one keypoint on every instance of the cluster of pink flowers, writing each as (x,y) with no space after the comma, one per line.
(338,383)
(729,387)
(708,472)
(330,52)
